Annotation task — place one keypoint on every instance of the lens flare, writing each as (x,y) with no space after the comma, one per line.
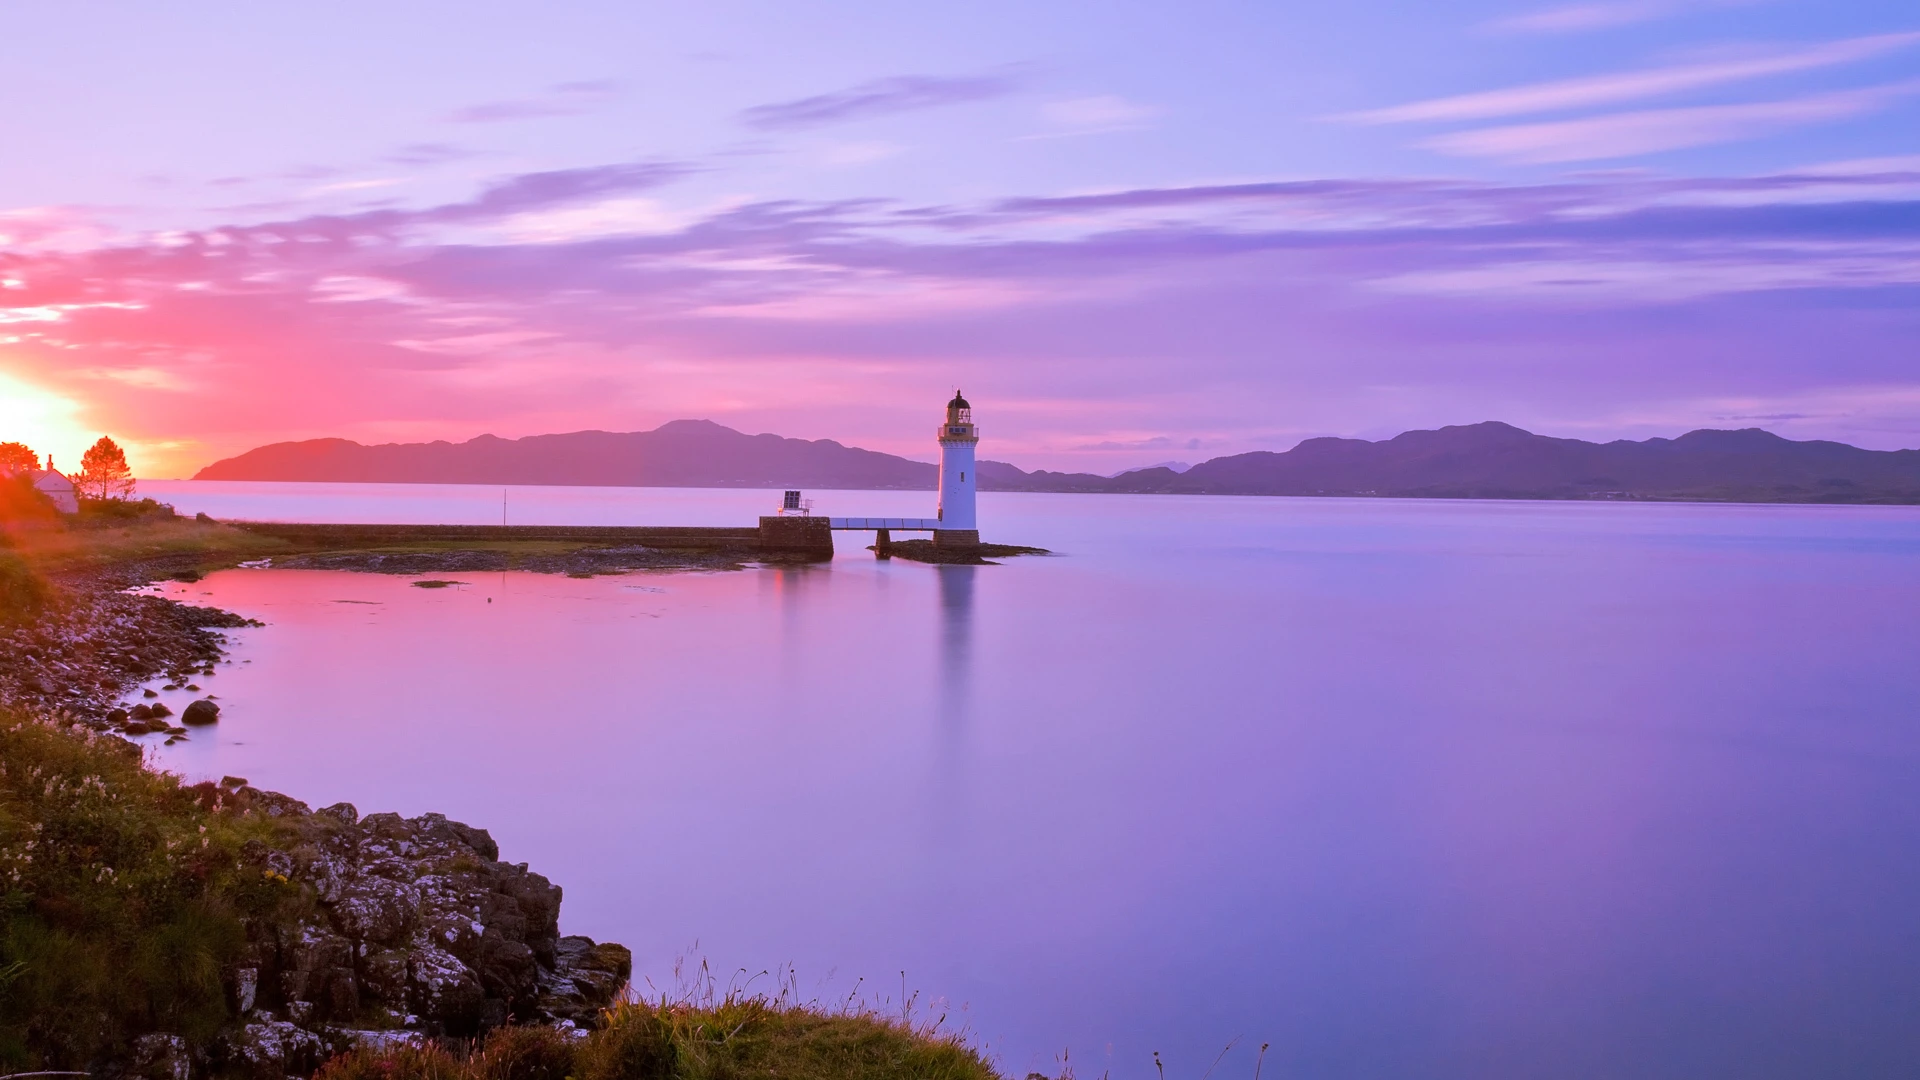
(43,420)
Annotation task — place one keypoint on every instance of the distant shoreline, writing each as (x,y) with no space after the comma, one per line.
(1487,460)
(1710,499)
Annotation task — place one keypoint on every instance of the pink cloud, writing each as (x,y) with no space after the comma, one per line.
(1654,130)
(1574,18)
(1635,85)
(1238,315)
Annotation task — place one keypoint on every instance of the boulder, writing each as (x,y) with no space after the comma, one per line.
(161,1057)
(417,926)
(271,1050)
(159,708)
(200,712)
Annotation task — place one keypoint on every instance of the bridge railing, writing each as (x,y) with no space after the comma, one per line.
(872,523)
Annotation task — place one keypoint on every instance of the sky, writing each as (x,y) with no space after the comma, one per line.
(1132,233)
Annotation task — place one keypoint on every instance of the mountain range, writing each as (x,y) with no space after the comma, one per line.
(1488,460)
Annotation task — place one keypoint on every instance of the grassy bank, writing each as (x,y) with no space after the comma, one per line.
(111,533)
(121,898)
(737,1037)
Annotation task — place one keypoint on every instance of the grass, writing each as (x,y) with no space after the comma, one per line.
(24,591)
(113,541)
(122,894)
(734,1036)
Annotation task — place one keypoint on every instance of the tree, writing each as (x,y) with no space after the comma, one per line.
(103,472)
(18,457)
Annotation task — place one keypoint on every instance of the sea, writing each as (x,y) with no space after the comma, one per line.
(1333,788)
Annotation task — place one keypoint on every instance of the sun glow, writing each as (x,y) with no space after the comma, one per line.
(43,420)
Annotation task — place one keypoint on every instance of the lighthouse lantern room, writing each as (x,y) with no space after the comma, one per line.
(958,477)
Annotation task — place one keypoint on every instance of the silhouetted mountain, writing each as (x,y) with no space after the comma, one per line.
(1487,461)
(684,453)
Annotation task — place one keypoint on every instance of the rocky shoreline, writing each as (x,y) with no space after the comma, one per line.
(405,929)
(580,563)
(418,931)
(96,642)
(927,552)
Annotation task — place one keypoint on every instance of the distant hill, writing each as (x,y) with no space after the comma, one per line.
(1486,461)
(684,453)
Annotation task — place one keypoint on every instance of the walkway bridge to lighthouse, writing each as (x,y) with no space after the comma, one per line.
(795,530)
(866,524)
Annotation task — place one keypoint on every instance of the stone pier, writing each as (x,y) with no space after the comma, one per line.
(956,539)
(804,536)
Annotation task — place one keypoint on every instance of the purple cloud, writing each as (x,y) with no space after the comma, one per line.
(428,154)
(1637,85)
(1574,18)
(535,190)
(880,97)
(563,99)
(1238,315)
(1648,131)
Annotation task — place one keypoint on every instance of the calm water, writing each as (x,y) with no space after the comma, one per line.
(1406,789)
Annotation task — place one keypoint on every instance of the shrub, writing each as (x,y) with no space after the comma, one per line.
(122,511)
(429,1061)
(525,1053)
(730,1037)
(23,504)
(24,592)
(121,897)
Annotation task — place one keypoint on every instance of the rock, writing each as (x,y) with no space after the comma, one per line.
(201,712)
(117,716)
(444,990)
(417,925)
(376,911)
(139,712)
(271,1050)
(378,1040)
(159,708)
(584,975)
(161,1057)
(149,693)
(246,986)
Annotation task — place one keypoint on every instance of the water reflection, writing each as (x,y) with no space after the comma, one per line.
(956,645)
(1454,815)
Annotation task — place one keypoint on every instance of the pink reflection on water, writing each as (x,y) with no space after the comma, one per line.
(1406,789)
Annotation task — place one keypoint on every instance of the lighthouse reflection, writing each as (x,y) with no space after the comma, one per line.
(956,644)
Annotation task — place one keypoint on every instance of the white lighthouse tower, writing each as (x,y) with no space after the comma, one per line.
(958,438)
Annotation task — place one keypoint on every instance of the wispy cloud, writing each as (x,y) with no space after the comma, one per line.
(583,297)
(879,97)
(562,99)
(1634,85)
(1650,131)
(1577,18)
(1099,114)
(430,153)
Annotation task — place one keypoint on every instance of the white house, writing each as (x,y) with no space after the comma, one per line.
(57,487)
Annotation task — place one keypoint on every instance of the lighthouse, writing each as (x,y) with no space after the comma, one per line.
(958,478)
